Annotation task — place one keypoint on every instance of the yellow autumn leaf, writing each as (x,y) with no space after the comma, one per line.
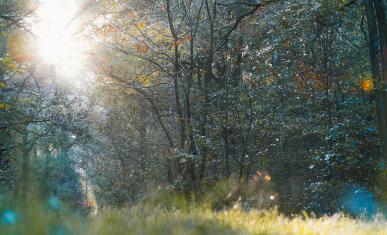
(269,81)
(141,25)
(91,202)
(5,60)
(267,178)
(367,85)
(159,36)
(3,106)
(145,80)
(130,91)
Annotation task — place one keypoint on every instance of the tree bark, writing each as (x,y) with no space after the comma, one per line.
(176,77)
(381,95)
(377,34)
(25,165)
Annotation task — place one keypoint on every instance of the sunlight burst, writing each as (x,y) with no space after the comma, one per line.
(58,39)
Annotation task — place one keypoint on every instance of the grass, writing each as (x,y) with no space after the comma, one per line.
(200,221)
(47,217)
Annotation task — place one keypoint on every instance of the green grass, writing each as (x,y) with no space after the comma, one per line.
(39,218)
(202,221)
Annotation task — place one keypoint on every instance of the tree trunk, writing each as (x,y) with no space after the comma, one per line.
(377,30)
(176,77)
(25,165)
(381,95)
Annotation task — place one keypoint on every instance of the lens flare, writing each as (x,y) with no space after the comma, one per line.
(59,42)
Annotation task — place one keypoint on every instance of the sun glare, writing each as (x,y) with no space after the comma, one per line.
(58,42)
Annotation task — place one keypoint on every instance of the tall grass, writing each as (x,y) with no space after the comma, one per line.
(32,216)
(200,221)
(51,217)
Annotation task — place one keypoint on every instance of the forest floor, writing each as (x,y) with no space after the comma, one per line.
(52,218)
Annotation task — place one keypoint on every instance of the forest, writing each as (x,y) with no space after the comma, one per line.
(263,117)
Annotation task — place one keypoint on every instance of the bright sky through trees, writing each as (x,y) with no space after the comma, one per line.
(58,39)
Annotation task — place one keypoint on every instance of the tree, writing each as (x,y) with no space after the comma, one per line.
(377,38)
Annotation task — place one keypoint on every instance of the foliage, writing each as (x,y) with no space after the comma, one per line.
(260,104)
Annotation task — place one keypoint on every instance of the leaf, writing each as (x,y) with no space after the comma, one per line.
(145,80)
(141,47)
(367,85)
(141,25)
(3,106)
(159,37)
(2,85)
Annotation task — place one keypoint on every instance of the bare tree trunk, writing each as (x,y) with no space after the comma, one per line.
(25,165)
(373,39)
(381,98)
(226,150)
(211,14)
(377,30)
(176,77)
